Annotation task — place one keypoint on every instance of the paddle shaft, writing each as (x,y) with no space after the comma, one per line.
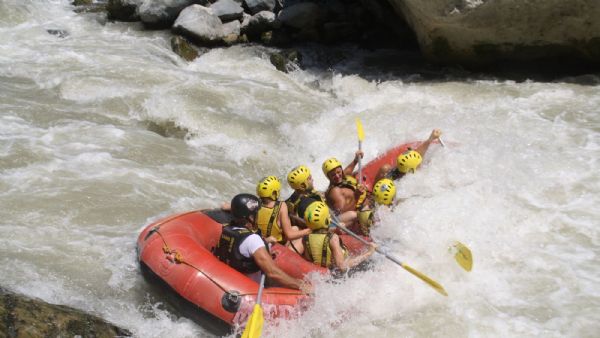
(379,250)
(360,162)
(414,272)
(260,289)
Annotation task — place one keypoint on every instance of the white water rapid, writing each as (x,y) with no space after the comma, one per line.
(83,167)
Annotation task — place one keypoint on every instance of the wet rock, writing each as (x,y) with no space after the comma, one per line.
(286,60)
(159,14)
(487,32)
(82,2)
(256,6)
(182,47)
(260,22)
(123,10)
(302,16)
(201,25)
(61,33)
(231,32)
(227,10)
(22,316)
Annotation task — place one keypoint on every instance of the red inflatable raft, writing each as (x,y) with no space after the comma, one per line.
(177,252)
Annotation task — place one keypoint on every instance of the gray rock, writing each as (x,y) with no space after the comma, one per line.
(286,60)
(304,15)
(227,10)
(261,22)
(182,47)
(458,32)
(200,24)
(256,6)
(123,10)
(26,317)
(162,13)
(61,33)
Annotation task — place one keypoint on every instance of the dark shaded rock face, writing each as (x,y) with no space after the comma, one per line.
(123,10)
(493,32)
(25,317)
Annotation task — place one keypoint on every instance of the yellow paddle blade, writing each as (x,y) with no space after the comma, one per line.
(426,279)
(359,129)
(463,256)
(255,323)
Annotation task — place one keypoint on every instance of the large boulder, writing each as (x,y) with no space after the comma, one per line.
(485,32)
(162,13)
(256,6)
(201,25)
(22,316)
(303,15)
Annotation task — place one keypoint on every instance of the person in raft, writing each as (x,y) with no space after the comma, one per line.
(344,197)
(272,219)
(408,161)
(384,192)
(300,179)
(244,250)
(324,247)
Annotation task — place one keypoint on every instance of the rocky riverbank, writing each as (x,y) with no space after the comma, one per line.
(21,316)
(537,35)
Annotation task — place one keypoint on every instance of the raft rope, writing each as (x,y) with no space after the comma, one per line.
(174,256)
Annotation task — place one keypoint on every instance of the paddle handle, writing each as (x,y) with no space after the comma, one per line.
(442,142)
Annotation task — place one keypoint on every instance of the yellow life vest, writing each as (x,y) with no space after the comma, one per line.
(268,223)
(316,248)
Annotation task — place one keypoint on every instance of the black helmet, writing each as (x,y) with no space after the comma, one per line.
(244,205)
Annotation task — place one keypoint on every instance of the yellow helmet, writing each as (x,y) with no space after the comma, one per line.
(298,176)
(408,161)
(351,179)
(330,164)
(317,216)
(268,187)
(384,191)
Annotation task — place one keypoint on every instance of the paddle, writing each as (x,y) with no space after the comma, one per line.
(255,322)
(361,137)
(463,256)
(420,275)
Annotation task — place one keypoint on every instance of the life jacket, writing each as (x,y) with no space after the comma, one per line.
(228,249)
(316,248)
(297,203)
(346,183)
(267,220)
(365,220)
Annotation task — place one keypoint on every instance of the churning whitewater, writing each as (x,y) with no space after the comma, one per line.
(104,130)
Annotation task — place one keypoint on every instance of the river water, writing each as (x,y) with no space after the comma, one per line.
(106,129)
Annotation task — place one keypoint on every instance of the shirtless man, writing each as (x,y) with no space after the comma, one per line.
(342,196)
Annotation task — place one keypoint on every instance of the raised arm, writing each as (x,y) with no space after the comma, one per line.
(350,168)
(422,148)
